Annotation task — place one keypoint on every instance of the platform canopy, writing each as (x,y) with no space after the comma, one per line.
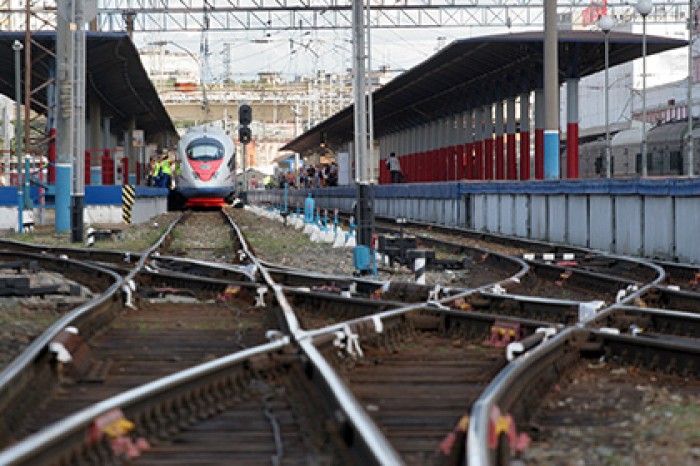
(478,71)
(115,75)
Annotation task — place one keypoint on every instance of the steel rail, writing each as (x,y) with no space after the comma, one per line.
(21,364)
(26,450)
(477,443)
(378,449)
(519,373)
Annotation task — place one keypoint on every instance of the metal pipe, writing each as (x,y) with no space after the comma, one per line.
(644,7)
(644,96)
(551,91)
(17,47)
(27,78)
(608,158)
(691,148)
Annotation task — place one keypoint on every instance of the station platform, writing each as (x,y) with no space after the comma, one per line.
(652,217)
(103,205)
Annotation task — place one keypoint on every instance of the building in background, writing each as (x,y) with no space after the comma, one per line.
(282,108)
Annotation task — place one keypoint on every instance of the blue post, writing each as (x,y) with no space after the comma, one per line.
(63,189)
(286,194)
(309,206)
(551,155)
(335,220)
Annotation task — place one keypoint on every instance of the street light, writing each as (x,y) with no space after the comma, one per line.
(606,23)
(17,47)
(644,7)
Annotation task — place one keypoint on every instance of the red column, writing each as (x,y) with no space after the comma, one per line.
(488,157)
(444,162)
(469,161)
(524,155)
(420,176)
(539,153)
(125,170)
(107,169)
(52,156)
(88,165)
(433,162)
(510,156)
(572,150)
(479,160)
(500,169)
(460,167)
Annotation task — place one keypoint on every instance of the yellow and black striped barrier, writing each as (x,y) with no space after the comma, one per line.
(128,199)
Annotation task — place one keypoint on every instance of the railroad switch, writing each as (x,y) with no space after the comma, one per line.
(19,286)
(73,355)
(28,266)
(503,333)
(396,248)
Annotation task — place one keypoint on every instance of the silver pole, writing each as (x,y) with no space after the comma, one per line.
(359,80)
(691,148)
(17,47)
(608,168)
(365,216)
(373,164)
(551,91)
(64,114)
(78,198)
(644,96)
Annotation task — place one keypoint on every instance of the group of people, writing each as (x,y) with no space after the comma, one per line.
(162,169)
(319,176)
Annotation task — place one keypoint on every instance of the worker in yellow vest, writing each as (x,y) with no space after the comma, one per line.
(165,171)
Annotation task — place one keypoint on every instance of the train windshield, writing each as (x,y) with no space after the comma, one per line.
(205,150)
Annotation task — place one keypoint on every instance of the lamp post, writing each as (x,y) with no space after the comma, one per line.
(606,23)
(691,148)
(644,7)
(17,47)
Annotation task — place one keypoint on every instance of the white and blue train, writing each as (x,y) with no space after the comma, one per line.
(207,168)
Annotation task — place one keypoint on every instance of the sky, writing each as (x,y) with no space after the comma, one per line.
(302,54)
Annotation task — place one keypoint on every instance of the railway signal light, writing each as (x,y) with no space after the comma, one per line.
(244,134)
(245,115)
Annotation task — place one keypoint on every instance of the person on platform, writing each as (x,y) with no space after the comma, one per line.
(394,167)
(175,171)
(151,177)
(165,171)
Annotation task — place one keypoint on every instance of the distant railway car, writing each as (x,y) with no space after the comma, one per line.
(666,152)
(207,174)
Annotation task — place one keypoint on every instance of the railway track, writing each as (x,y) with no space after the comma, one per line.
(165,330)
(592,397)
(586,276)
(349,376)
